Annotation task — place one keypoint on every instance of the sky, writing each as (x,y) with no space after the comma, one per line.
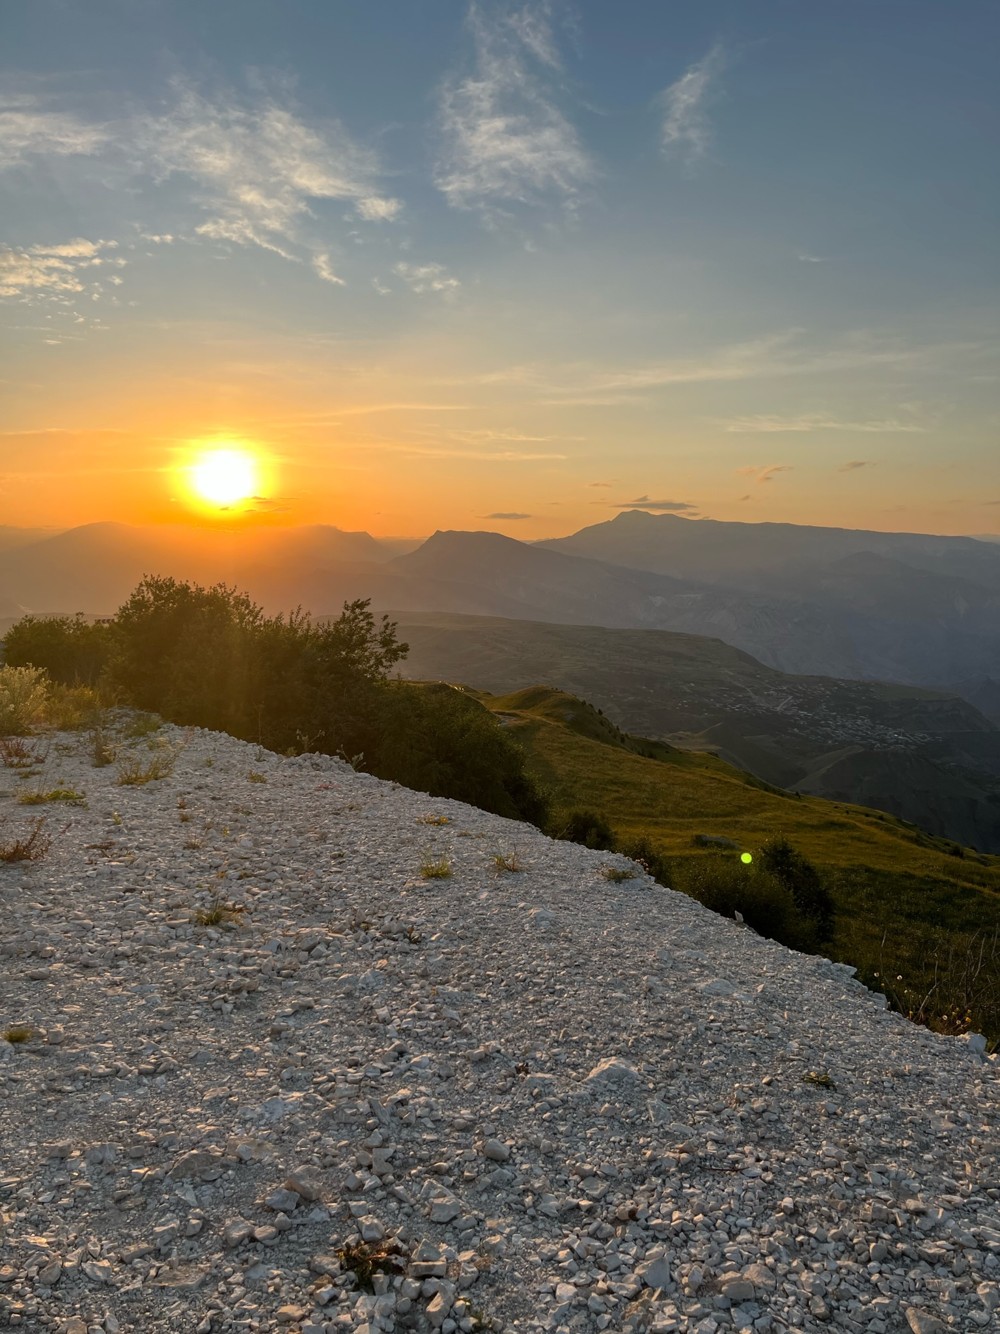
(517,266)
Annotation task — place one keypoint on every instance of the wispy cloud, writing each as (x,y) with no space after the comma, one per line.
(505,140)
(806,258)
(764,424)
(644,503)
(769,356)
(488,435)
(766,474)
(61,272)
(30,129)
(321,263)
(685,104)
(423,278)
(259,169)
(854,464)
(505,514)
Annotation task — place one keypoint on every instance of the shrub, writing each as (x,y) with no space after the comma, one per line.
(588,828)
(652,862)
(70,708)
(728,887)
(803,882)
(437,740)
(24,692)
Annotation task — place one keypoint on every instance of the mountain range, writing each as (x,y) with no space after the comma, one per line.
(911,608)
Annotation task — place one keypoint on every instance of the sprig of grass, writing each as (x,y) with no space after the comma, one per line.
(507,861)
(435,870)
(365,1260)
(18,1033)
(134,772)
(220,914)
(16,753)
(54,794)
(820,1078)
(31,847)
(616,874)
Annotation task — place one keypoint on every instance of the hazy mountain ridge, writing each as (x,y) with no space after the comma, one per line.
(826,736)
(919,609)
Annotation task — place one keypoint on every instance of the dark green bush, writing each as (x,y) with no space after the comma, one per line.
(69,649)
(643,852)
(438,740)
(802,880)
(728,887)
(588,828)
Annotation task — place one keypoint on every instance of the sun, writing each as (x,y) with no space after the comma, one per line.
(224,477)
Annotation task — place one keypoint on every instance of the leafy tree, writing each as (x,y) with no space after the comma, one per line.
(186,652)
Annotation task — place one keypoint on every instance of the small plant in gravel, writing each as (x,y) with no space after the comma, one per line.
(481,1322)
(54,794)
(616,874)
(254,776)
(16,753)
(366,1259)
(220,914)
(133,771)
(435,870)
(820,1078)
(102,753)
(507,861)
(30,847)
(433,819)
(18,1033)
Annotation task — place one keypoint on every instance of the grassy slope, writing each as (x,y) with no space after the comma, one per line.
(902,895)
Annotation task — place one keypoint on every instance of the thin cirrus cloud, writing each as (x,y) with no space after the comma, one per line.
(505,514)
(29,129)
(766,474)
(424,278)
(644,503)
(504,139)
(765,425)
(686,129)
(56,271)
(853,465)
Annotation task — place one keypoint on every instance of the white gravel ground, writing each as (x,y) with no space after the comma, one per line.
(577,1105)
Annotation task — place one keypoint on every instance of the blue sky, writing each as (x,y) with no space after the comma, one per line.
(440,262)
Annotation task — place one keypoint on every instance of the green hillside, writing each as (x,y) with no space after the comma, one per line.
(910,906)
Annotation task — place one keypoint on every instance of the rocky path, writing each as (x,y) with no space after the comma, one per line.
(276,1079)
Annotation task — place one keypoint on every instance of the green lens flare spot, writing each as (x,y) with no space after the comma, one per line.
(746,858)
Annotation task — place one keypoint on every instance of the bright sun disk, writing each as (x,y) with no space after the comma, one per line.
(225,476)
